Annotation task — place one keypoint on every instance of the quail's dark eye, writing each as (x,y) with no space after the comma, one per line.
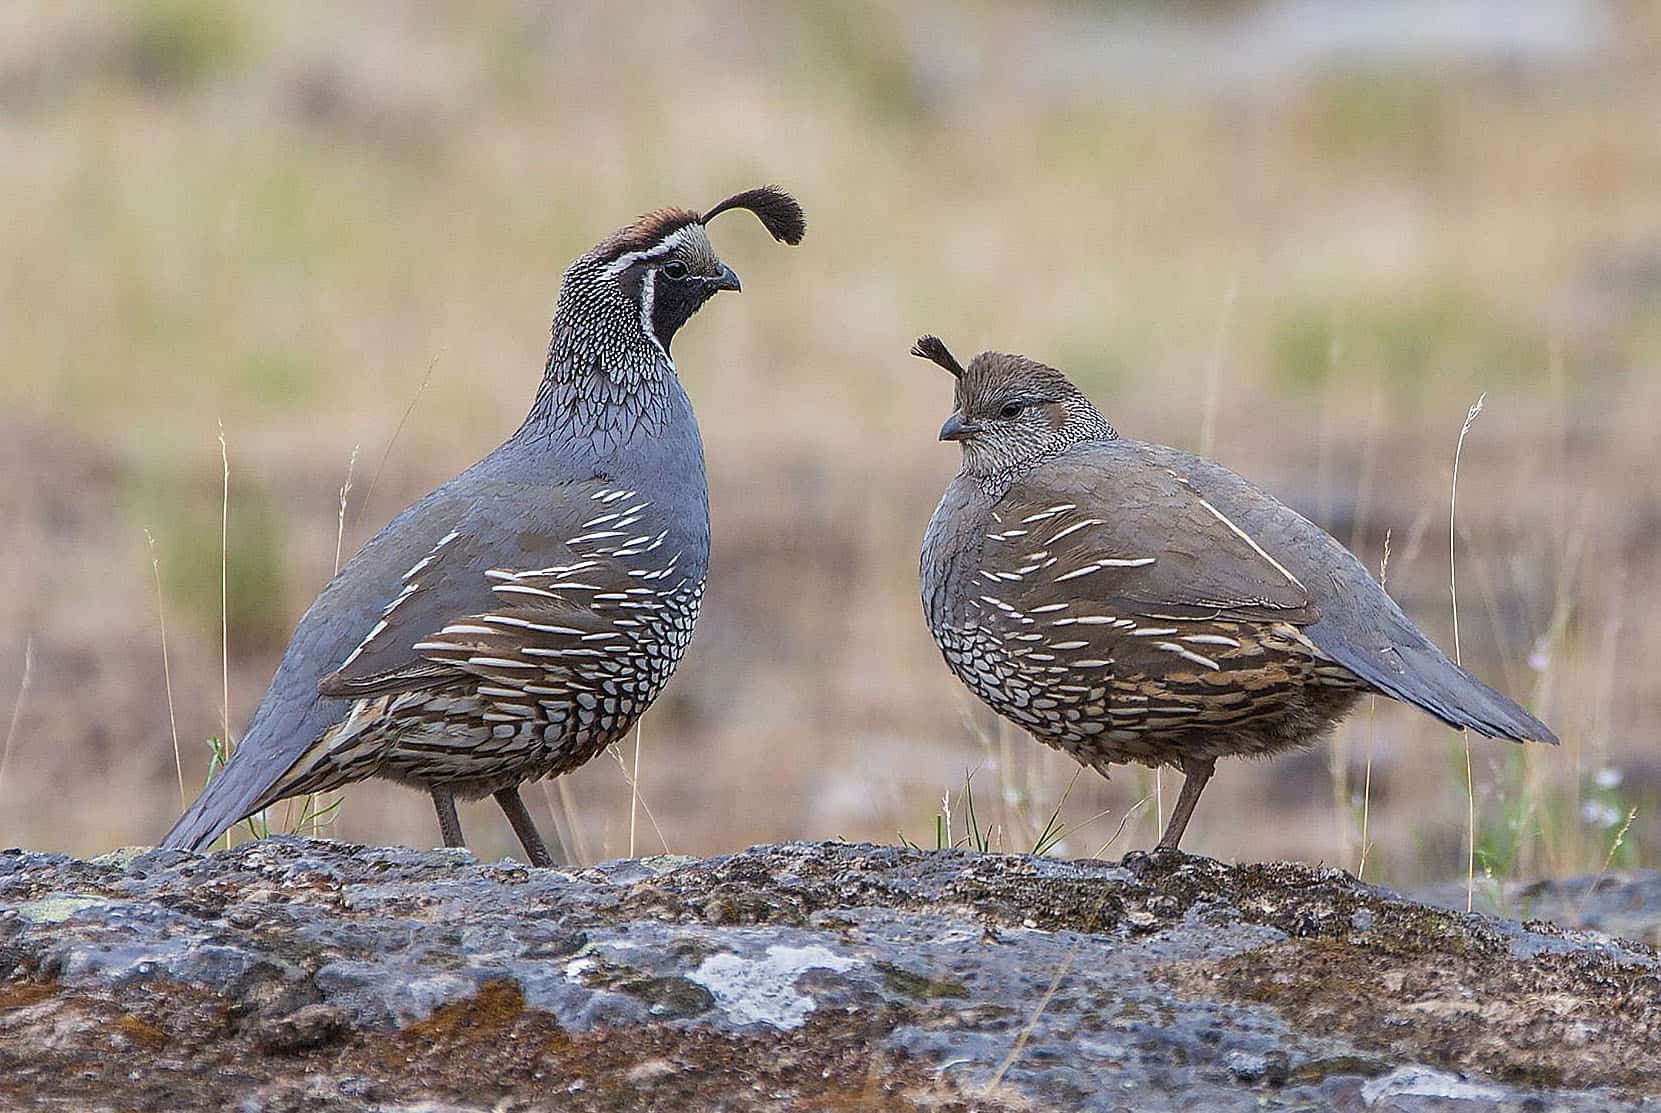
(675,269)
(1011,409)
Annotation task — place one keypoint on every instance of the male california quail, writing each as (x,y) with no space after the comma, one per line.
(517,620)
(1125,601)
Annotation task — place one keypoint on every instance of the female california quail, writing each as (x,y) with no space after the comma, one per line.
(517,620)
(1125,601)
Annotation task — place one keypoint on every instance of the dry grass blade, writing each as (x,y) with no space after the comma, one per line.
(1214,371)
(167,669)
(402,421)
(1120,830)
(634,794)
(315,807)
(1614,847)
(1372,735)
(17,705)
(1453,592)
(224,592)
(1054,830)
(340,519)
(572,836)
(1158,801)
(1032,1022)
(634,786)
(224,606)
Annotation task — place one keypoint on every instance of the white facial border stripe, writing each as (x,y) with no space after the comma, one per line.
(648,295)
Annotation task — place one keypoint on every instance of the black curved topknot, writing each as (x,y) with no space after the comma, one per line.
(933,348)
(776,209)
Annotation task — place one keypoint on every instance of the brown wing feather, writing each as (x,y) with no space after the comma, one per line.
(1141,542)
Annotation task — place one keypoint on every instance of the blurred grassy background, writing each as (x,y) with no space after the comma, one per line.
(1300,234)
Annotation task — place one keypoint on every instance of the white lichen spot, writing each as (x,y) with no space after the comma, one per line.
(55,910)
(1423,1082)
(763,990)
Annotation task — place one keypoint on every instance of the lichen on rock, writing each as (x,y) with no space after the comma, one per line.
(295,974)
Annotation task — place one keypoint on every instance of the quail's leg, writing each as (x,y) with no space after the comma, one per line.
(1195,774)
(449,826)
(529,837)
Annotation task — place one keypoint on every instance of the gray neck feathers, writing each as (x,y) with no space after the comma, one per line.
(608,382)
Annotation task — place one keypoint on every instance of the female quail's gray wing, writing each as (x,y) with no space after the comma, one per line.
(1103,606)
(1360,626)
(1151,541)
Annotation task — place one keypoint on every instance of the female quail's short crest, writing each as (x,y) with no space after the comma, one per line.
(1127,602)
(521,617)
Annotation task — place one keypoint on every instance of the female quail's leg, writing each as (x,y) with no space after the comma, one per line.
(1195,774)
(449,826)
(523,826)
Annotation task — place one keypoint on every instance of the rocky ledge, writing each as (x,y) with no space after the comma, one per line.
(291,975)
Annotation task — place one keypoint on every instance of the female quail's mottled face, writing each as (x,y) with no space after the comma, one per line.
(1012,411)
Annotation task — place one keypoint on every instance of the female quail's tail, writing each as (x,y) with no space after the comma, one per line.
(1414,671)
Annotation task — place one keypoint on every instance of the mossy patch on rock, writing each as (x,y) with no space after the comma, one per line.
(1552,1020)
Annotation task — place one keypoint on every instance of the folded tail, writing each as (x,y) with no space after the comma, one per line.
(230,797)
(1418,673)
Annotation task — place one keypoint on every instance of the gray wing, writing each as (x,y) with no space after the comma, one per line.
(572,590)
(1131,533)
(1359,626)
(1139,540)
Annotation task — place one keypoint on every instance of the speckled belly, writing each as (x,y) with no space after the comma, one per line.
(1192,692)
(477,734)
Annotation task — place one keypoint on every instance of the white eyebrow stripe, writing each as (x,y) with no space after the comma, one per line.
(662,247)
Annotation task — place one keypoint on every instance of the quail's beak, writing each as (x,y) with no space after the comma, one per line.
(956,429)
(726,279)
